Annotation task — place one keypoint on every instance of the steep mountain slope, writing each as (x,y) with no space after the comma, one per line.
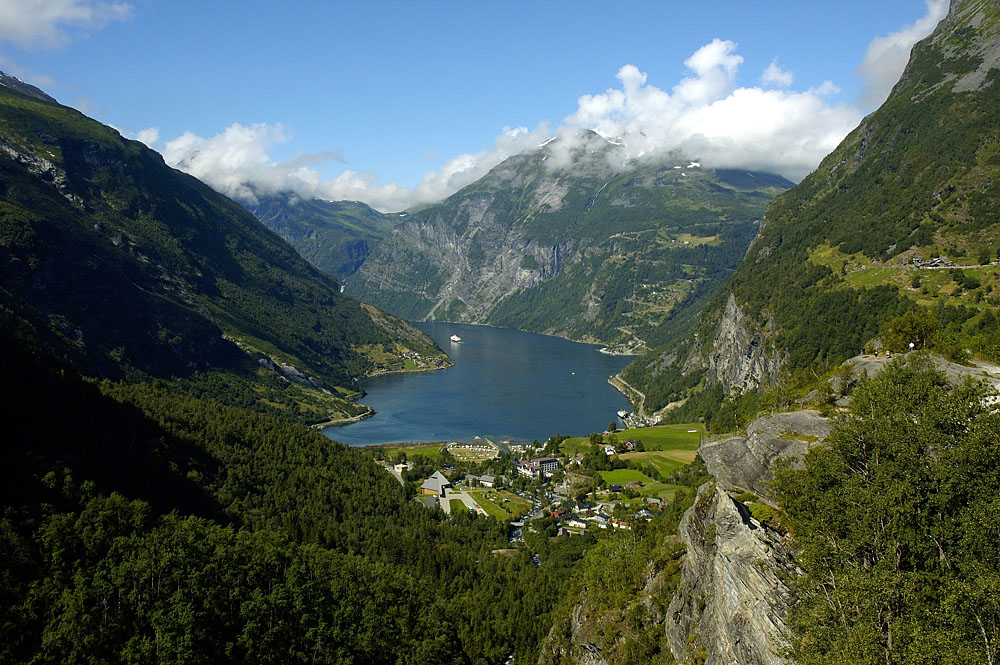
(127,268)
(165,520)
(335,236)
(572,240)
(894,236)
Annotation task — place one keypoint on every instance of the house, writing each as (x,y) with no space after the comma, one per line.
(614,487)
(526,468)
(559,512)
(576,522)
(549,465)
(436,485)
(630,444)
(599,520)
(487,481)
(540,466)
(609,450)
(577,459)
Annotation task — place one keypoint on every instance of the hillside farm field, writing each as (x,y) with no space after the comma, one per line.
(665,461)
(682,437)
(647,488)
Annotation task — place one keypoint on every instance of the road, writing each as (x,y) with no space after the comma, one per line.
(641,411)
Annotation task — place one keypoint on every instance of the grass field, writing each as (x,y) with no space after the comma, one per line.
(431,450)
(649,487)
(492,502)
(685,436)
(625,476)
(457,506)
(665,461)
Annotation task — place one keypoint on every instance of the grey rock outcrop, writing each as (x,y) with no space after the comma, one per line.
(746,461)
(733,601)
(980,370)
(741,357)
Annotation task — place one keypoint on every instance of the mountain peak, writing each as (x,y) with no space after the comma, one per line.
(25,89)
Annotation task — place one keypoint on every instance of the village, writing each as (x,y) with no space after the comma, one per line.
(567,486)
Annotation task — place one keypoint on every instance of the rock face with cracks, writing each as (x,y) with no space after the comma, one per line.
(746,461)
(741,358)
(733,597)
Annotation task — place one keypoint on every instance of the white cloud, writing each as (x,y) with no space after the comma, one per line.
(150,136)
(31,23)
(237,163)
(774,75)
(706,117)
(887,56)
(714,65)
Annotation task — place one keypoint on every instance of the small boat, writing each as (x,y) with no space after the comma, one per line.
(622,413)
(456,338)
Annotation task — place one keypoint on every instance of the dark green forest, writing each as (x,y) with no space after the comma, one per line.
(140,525)
(898,521)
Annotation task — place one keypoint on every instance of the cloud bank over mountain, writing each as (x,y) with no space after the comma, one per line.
(706,116)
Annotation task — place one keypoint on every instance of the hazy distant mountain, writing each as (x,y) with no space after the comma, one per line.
(335,236)
(571,239)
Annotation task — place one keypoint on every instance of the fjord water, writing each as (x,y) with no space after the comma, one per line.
(505,385)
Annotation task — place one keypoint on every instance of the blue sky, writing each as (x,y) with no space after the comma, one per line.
(397,103)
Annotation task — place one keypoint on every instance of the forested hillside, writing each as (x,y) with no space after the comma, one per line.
(126,268)
(139,525)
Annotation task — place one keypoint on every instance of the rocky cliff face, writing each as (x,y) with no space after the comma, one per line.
(733,598)
(745,462)
(741,357)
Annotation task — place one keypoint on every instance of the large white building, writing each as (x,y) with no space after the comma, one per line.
(540,466)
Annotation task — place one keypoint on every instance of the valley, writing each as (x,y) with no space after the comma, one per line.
(599,250)
(276,428)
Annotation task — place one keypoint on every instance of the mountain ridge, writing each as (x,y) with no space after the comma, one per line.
(113,258)
(566,240)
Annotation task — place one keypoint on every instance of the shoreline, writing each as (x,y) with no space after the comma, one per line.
(451,363)
(336,422)
(629,392)
(529,332)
